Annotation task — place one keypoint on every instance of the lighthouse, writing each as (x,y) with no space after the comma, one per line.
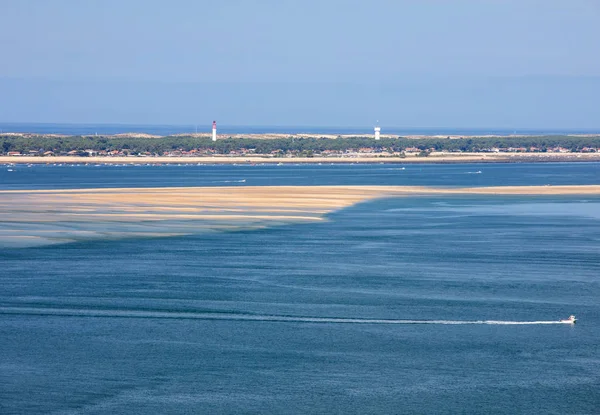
(214,135)
(377,131)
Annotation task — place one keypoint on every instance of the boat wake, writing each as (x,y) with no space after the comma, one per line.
(73,312)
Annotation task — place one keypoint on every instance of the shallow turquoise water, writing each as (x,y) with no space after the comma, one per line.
(176,325)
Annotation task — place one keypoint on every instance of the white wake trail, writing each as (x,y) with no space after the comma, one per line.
(73,312)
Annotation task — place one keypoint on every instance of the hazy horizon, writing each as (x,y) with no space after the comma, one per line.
(432,64)
(206,127)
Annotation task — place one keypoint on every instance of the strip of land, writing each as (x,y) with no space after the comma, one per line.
(440,157)
(42,217)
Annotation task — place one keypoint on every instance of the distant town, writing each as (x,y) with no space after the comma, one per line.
(287,146)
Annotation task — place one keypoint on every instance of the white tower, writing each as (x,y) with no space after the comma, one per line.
(214,136)
(377,131)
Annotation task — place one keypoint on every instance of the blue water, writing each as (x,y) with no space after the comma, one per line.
(90,129)
(468,175)
(186,324)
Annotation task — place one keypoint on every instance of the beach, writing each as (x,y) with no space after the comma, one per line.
(434,157)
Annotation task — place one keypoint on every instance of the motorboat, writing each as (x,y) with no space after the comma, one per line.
(570,320)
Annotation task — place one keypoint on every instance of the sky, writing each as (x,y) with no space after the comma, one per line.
(419,63)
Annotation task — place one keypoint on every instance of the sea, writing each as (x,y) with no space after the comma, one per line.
(406,305)
(163,130)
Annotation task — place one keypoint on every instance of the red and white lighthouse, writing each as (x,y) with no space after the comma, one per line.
(214,135)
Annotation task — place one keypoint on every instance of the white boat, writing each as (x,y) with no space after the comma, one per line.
(570,320)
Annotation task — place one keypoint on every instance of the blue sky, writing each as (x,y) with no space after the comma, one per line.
(421,63)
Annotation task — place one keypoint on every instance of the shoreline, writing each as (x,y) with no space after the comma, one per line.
(292,193)
(432,158)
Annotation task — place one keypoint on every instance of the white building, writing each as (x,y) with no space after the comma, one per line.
(214,132)
(377,131)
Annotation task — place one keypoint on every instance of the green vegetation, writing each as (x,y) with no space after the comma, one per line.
(280,147)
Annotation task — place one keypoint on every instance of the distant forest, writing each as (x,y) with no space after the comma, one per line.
(133,145)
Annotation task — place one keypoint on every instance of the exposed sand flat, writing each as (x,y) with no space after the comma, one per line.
(531,190)
(39,217)
(290,195)
(126,217)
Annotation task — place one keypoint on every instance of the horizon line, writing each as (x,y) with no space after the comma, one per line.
(296,126)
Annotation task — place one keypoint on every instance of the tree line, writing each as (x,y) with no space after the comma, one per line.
(135,145)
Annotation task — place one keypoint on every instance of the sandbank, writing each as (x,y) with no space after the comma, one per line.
(41,217)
